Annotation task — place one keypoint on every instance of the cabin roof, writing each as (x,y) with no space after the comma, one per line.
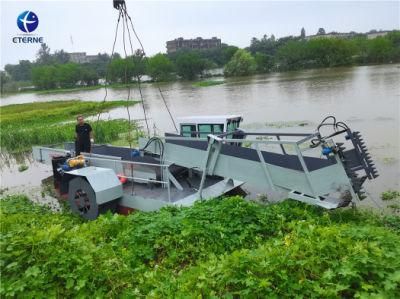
(208,119)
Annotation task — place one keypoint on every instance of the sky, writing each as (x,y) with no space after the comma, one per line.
(89,26)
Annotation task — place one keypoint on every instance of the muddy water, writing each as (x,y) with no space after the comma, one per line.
(366,98)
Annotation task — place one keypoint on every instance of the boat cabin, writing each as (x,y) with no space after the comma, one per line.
(201,126)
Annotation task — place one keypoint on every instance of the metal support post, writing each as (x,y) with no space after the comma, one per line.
(264,167)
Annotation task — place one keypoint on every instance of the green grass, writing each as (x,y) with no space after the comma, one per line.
(72,89)
(22,168)
(207,83)
(64,90)
(53,111)
(222,248)
(85,88)
(45,123)
(390,195)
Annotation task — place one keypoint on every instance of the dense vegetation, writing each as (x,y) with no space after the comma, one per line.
(24,125)
(267,54)
(241,64)
(226,248)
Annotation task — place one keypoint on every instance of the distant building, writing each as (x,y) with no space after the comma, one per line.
(372,35)
(81,57)
(197,43)
(332,35)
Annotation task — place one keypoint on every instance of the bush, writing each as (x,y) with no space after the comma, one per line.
(160,67)
(217,248)
(241,64)
(189,65)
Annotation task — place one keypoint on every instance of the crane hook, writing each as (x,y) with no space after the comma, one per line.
(118,4)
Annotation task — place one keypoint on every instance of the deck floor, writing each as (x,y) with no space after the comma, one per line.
(157,192)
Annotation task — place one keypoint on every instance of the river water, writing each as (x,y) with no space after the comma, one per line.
(366,97)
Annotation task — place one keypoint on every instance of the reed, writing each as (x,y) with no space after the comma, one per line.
(25,125)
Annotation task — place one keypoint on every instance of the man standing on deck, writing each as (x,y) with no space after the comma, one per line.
(83,136)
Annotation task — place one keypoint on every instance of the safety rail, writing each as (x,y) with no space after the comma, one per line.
(222,137)
(264,165)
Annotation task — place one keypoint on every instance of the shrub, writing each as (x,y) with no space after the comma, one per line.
(217,248)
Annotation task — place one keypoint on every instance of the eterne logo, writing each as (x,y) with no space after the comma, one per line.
(27,22)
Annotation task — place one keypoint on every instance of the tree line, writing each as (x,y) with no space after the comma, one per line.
(266,54)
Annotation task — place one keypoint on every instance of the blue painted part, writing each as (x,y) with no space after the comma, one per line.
(66,167)
(135,153)
(327,150)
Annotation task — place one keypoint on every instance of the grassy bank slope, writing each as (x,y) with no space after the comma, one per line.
(41,123)
(219,248)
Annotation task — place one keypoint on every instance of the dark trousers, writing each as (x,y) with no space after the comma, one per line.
(82,147)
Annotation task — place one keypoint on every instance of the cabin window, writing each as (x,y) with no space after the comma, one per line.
(232,125)
(205,130)
(186,130)
(218,129)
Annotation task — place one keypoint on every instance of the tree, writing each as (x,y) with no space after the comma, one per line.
(214,57)
(330,52)
(61,57)
(241,64)
(68,74)
(21,71)
(120,70)
(292,55)
(88,75)
(394,38)
(228,53)
(4,78)
(139,64)
(264,62)
(43,55)
(264,45)
(160,67)
(44,77)
(189,65)
(321,31)
(303,33)
(100,63)
(379,50)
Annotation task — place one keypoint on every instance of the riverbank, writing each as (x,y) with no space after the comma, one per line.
(198,83)
(25,125)
(201,82)
(69,90)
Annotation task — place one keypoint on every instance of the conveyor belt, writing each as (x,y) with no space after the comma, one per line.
(282,160)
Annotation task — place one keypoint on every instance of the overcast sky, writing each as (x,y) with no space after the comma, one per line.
(89,26)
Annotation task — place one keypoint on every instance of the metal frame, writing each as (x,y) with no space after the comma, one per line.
(213,152)
(163,167)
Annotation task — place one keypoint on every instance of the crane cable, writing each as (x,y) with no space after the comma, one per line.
(147,60)
(138,78)
(107,70)
(126,80)
(125,17)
